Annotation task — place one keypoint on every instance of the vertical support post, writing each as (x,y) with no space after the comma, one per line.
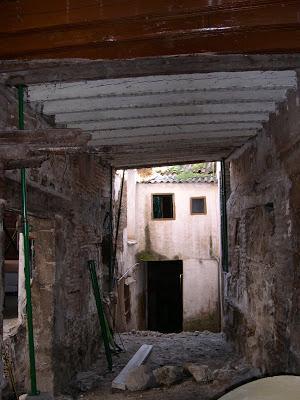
(111,234)
(102,319)
(25,224)
(224,230)
(118,226)
(2,247)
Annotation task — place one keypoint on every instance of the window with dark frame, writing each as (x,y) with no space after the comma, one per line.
(198,205)
(162,206)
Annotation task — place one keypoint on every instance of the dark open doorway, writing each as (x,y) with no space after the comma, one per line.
(165,296)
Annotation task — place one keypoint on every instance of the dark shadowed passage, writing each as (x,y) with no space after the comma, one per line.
(165,296)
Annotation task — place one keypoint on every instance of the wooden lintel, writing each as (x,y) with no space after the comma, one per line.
(35,72)
(44,137)
(28,162)
(29,148)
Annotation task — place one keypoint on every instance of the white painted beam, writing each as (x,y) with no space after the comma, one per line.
(162,83)
(233,97)
(200,129)
(152,160)
(159,121)
(157,139)
(167,137)
(177,146)
(138,120)
(161,129)
(260,108)
(167,119)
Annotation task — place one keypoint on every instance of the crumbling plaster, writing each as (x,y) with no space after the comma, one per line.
(68,198)
(263,283)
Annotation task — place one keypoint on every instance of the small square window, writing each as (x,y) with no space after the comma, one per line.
(162,206)
(198,205)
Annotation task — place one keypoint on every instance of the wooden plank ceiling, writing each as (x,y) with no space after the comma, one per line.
(179,112)
(166,119)
(121,29)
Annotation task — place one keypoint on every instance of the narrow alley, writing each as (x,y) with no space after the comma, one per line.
(149,199)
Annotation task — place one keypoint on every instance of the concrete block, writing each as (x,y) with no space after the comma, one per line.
(138,359)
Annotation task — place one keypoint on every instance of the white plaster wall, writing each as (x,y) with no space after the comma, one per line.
(187,236)
(135,270)
(126,258)
(200,294)
(191,238)
(194,239)
(127,264)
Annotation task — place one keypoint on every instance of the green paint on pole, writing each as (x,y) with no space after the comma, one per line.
(101,315)
(224,228)
(34,391)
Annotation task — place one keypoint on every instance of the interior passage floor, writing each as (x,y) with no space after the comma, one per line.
(170,349)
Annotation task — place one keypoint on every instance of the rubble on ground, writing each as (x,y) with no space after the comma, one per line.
(85,381)
(168,375)
(140,378)
(201,373)
(189,362)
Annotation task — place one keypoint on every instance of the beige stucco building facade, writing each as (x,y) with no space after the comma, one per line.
(191,239)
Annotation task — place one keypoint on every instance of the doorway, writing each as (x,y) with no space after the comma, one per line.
(165,296)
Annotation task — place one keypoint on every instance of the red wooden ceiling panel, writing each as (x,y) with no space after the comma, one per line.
(132,28)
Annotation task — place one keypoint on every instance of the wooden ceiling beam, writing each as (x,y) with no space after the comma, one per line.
(26,149)
(43,137)
(53,71)
(138,155)
(255,39)
(30,14)
(171,160)
(94,30)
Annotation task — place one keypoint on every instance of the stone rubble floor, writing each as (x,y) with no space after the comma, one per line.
(169,349)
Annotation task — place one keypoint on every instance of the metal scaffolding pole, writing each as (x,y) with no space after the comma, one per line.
(25,224)
(102,320)
(111,235)
(224,229)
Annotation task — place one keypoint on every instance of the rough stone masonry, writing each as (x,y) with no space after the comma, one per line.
(263,284)
(68,200)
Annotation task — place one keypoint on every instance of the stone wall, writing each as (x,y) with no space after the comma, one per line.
(68,200)
(79,238)
(2,205)
(262,295)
